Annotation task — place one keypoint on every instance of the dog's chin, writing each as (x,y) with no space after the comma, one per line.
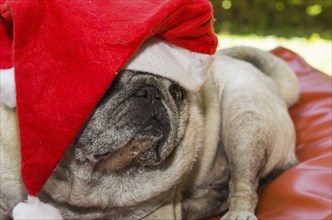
(148,149)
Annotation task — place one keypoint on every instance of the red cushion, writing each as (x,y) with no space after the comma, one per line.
(305,191)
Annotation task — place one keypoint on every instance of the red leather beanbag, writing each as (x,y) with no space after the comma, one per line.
(305,191)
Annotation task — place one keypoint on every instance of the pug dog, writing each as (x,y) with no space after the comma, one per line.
(152,150)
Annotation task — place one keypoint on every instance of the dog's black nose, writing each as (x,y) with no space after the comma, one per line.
(149,93)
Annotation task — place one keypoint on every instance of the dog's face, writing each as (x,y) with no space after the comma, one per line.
(138,123)
(137,145)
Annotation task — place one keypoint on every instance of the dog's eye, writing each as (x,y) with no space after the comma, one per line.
(176,92)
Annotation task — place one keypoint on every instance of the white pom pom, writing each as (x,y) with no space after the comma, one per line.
(7,87)
(35,209)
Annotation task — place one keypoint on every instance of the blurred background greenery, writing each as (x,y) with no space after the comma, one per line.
(304,26)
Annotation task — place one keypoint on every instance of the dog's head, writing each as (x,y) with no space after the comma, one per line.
(138,123)
(138,143)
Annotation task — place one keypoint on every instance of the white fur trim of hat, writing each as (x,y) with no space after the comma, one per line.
(183,66)
(7,87)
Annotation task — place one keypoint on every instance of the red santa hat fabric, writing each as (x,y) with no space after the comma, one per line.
(66,54)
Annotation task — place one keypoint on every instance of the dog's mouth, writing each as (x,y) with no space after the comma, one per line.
(148,147)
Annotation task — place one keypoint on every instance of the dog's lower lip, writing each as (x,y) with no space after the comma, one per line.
(98,156)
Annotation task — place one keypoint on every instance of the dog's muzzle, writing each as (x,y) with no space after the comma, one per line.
(134,125)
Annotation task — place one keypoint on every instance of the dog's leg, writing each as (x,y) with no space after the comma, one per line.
(245,142)
(212,203)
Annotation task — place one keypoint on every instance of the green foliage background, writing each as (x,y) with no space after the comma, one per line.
(283,18)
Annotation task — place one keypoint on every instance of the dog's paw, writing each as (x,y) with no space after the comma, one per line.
(239,215)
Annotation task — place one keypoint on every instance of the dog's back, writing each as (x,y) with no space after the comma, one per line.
(251,80)
(246,119)
(272,66)
(255,90)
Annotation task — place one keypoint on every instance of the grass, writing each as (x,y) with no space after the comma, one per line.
(315,50)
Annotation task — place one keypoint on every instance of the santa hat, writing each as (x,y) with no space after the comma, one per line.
(66,54)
